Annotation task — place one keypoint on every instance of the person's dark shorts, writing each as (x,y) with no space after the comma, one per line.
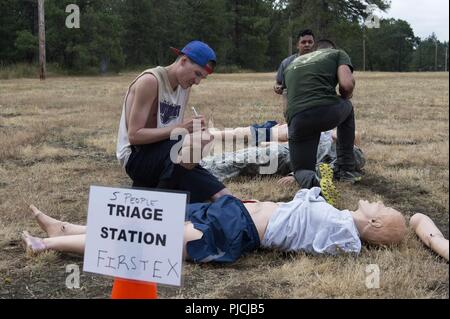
(228,231)
(150,166)
(262,132)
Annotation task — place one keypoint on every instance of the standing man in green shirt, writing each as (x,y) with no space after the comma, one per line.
(315,107)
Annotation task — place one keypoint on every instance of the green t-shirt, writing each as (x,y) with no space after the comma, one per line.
(311,80)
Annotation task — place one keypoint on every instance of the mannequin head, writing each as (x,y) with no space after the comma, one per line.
(378,224)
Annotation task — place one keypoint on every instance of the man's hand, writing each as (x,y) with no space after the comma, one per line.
(278,88)
(345,95)
(196,123)
(286,181)
(195,147)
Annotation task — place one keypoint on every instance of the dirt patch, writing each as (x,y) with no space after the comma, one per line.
(10,115)
(408,198)
(27,279)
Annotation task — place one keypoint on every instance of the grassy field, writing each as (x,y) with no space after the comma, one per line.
(58,137)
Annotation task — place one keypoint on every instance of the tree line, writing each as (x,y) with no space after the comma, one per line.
(246,34)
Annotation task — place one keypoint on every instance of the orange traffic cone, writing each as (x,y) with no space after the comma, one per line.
(127,289)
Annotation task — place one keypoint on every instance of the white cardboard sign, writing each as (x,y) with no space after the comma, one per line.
(135,234)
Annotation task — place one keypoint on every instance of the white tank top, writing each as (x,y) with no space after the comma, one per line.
(171,108)
(308,223)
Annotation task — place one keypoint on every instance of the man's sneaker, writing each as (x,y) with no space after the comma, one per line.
(329,191)
(348,176)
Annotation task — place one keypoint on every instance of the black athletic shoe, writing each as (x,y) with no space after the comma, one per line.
(348,176)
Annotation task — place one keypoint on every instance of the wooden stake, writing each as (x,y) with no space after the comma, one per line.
(42,63)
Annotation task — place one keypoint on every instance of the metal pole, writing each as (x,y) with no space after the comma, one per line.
(42,64)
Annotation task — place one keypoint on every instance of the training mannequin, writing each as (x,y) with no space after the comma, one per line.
(263,134)
(267,158)
(254,134)
(224,230)
(430,234)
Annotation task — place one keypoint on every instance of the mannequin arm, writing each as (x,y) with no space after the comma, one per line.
(230,134)
(279,133)
(430,234)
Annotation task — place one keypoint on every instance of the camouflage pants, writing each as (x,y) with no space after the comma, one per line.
(254,161)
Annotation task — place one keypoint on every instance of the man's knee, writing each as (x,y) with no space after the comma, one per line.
(348,107)
(195,147)
(306,178)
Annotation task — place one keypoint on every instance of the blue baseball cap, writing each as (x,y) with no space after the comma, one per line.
(199,52)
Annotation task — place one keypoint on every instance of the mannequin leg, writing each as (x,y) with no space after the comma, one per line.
(54,227)
(280,133)
(68,244)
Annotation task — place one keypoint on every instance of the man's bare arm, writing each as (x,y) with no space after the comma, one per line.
(346,81)
(146,94)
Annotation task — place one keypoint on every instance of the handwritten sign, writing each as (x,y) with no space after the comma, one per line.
(135,234)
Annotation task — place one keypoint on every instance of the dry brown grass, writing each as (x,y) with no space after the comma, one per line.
(58,137)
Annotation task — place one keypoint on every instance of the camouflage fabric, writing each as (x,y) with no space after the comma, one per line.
(248,161)
(254,161)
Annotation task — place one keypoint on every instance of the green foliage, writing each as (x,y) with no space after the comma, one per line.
(20,70)
(349,38)
(323,15)
(390,47)
(95,46)
(430,55)
(15,16)
(208,21)
(27,45)
(250,25)
(246,34)
(28,70)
